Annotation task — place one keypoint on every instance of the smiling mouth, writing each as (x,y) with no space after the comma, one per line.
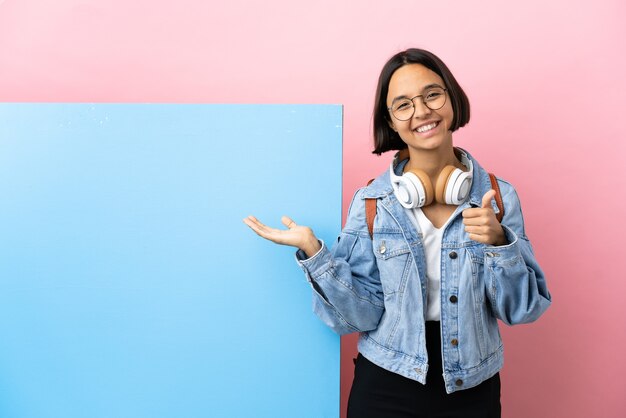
(426,128)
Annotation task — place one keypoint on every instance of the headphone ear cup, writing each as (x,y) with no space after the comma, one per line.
(427,194)
(405,192)
(453,186)
(458,188)
(442,183)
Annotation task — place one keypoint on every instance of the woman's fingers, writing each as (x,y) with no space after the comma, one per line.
(481,223)
(293,235)
(288,222)
(486,201)
(477,230)
(476,216)
(253,223)
(258,227)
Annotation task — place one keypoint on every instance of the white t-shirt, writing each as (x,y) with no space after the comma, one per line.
(431,241)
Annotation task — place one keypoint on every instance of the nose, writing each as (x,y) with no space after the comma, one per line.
(420,108)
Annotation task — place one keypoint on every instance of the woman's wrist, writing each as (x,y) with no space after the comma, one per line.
(311,246)
(501,239)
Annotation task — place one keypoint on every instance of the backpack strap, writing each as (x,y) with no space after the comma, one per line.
(370,212)
(498,197)
(370,205)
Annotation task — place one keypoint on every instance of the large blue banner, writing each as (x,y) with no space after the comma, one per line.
(129,285)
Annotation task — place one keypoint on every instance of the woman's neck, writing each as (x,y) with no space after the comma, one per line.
(432,161)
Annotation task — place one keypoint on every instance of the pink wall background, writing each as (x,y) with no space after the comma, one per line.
(546,82)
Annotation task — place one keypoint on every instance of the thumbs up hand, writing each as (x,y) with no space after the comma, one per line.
(481,223)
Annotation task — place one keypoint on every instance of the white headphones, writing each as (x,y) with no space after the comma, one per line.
(413,189)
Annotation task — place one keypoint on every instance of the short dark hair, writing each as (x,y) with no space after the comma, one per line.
(385,138)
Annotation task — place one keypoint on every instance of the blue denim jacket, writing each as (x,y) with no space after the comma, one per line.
(378,286)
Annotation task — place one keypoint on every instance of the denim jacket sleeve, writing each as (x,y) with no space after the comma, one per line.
(347,292)
(516,284)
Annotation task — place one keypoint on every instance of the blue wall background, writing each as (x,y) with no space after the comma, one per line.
(129,286)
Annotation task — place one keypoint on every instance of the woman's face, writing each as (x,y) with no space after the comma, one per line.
(427,129)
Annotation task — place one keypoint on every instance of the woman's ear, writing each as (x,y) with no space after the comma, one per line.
(391,125)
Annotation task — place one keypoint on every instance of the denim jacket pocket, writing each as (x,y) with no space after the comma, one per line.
(486,323)
(476,256)
(393,258)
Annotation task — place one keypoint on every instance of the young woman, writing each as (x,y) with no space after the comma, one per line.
(426,287)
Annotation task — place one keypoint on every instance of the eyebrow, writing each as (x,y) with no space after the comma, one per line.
(429,86)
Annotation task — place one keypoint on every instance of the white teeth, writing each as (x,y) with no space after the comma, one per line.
(426,127)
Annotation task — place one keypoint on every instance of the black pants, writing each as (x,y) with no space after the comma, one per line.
(378,393)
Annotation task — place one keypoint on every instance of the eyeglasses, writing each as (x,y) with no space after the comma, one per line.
(433,98)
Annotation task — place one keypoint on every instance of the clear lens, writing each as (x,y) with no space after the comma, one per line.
(435,98)
(403,109)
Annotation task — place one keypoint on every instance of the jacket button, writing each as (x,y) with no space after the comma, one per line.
(454,342)
(453,299)
(453,255)
(459,382)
